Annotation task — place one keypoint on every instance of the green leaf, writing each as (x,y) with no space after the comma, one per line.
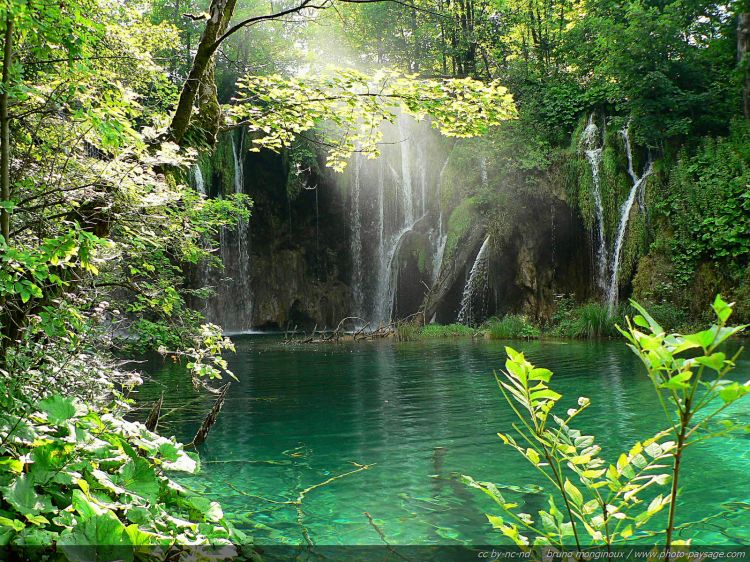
(97,538)
(733,392)
(679,381)
(538,374)
(714,361)
(58,409)
(573,493)
(497,522)
(702,339)
(722,309)
(545,394)
(22,496)
(653,324)
(138,477)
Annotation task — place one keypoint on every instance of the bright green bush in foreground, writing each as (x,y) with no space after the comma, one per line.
(598,502)
(90,482)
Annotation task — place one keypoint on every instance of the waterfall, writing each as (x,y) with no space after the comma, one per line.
(393,215)
(406,183)
(612,290)
(485,181)
(475,290)
(442,235)
(198,182)
(236,313)
(356,238)
(593,151)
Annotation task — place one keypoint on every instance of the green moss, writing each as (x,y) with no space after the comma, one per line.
(459,223)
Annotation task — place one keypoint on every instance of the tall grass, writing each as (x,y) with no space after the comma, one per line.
(595,321)
(447,331)
(511,326)
(591,320)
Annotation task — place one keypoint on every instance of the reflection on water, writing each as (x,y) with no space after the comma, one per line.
(421,414)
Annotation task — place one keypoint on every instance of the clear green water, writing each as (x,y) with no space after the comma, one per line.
(421,413)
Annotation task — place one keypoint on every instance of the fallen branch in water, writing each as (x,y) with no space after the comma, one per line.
(210,420)
(381,534)
(153,416)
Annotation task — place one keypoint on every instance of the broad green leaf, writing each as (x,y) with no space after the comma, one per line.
(573,493)
(138,476)
(22,496)
(58,408)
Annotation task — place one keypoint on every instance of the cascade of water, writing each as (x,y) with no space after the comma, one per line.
(593,151)
(407,195)
(242,234)
(483,172)
(612,290)
(356,238)
(391,203)
(442,236)
(475,290)
(422,167)
(198,182)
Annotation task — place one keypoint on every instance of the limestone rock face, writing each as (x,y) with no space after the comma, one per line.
(292,264)
(287,295)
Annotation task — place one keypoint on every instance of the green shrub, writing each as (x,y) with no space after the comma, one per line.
(510,327)
(595,502)
(407,331)
(591,320)
(78,478)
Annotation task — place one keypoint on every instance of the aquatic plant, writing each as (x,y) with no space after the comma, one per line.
(598,503)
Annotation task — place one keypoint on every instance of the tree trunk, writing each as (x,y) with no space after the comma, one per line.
(220,13)
(5,130)
(743,57)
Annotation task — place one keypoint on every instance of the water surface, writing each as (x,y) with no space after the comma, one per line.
(420,413)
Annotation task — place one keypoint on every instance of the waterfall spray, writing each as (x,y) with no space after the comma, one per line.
(243,242)
(475,290)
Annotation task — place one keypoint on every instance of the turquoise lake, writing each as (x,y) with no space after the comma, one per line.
(421,414)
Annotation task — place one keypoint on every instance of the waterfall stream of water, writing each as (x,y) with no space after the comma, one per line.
(198,182)
(356,238)
(474,298)
(638,181)
(593,151)
(393,206)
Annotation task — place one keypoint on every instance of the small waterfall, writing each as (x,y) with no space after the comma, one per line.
(393,203)
(235,303)
(612,290)
(356,238)
(407,196)
(474,297)
(198,182)
(442,235)
(593,151)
